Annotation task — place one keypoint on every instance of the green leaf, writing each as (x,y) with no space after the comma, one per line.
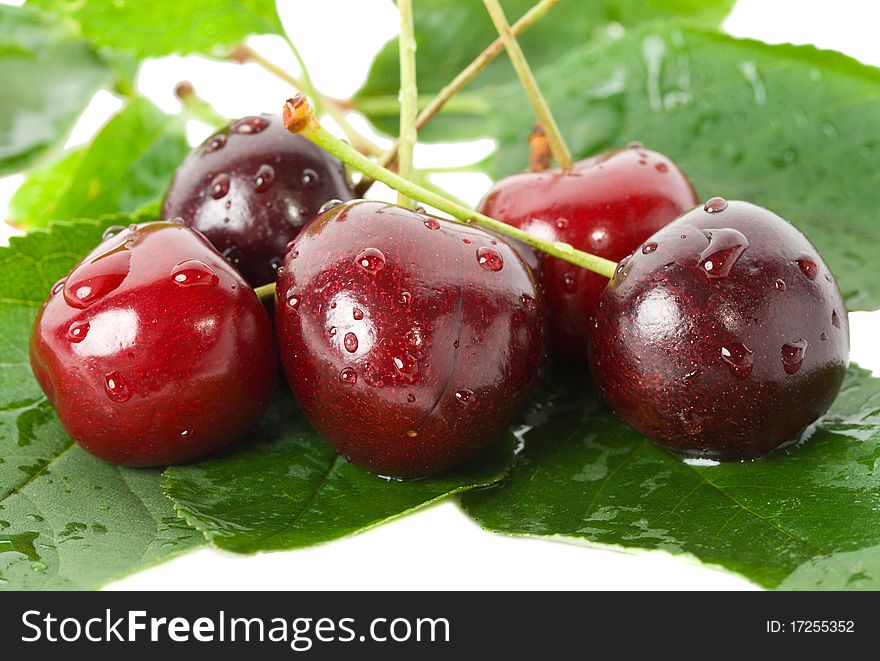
(152,28)
(67,520)
(286,488)
(49,76)
(804,518)
(791,128)
(128,165)
(451,33)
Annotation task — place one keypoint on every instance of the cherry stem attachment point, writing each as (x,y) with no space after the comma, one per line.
(545,117)
(299,118)
(409,97)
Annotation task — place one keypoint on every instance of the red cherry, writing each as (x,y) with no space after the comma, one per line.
(154,350)
(608,205)
(408,348)
(250,188)
(718,343)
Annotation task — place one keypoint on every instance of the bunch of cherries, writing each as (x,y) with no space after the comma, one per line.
(412,342)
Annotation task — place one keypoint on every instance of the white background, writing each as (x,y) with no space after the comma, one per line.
(440,548)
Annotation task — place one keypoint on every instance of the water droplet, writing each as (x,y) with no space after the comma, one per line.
(58,286)
(220,186)
(725,248)
(648,248)
(661,167)
(232,255)
(348,376)
(693,374)
(634,144)
(528,302)
(276,265)
(357,313)
(194,273)
(350,342)
(561,223)
(823,337)
(835,319)
(111,231)
(793,355)
(97,278)
(715,205)
(642,161)
(77,331)
(466,242)
(186,434)
(250,125)
(407,366)
(329,204)
(310,178)
(808,265)
(490,259)
(432,224)
(780,285)
(739,359)
(569,282)
(411,398)
(465,395)
(264,179)
(292,298)
(371,260)
(216,142)
(405,298)
(828,277)
(332,331)
(116,388)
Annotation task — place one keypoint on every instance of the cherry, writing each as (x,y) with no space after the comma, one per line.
(607,205)
(250,187)
(409,341)
(154,350)
(723,336)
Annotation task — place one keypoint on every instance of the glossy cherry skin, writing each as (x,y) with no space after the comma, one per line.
(410,342)
(608,205)
(724,336)
(250,188)
(154,350)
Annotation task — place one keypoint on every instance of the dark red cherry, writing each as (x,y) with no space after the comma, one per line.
(608,205)
(410,342)
(250,187)
(154,350)
(726,339)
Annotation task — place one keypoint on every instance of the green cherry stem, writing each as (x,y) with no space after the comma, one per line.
(266,293)
(409,97)
(527,78)
(196,107)
(443,97)
(299,118)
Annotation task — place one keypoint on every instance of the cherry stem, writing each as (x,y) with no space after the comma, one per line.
(545,117)
(334,107)
(300,118)
(266,293)
(409,97)
(196,107)
(467,74)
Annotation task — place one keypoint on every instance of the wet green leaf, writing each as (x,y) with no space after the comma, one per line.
(127,165)
(67,520)
(286,488)
(151,28)
(790,128)
(805,518)
(48,77)
(451,33)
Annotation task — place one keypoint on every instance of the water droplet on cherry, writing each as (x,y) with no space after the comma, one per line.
(780,285)
(250,125)
(194,273)
(310,178)
(661,168)
(648,248)
(357,313)
(725,248)
(97,278)
(216,143)
(739,359)
(793,355)
(77,331)
(111,231)
(465,395)
(371,260)
(808,265)
(292,298)
(220,186)
(715,205)
(432,224)
(329,204)
(835,319)
(490,259)
(348,376)
(350,342)
(264,179)
(116,388)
